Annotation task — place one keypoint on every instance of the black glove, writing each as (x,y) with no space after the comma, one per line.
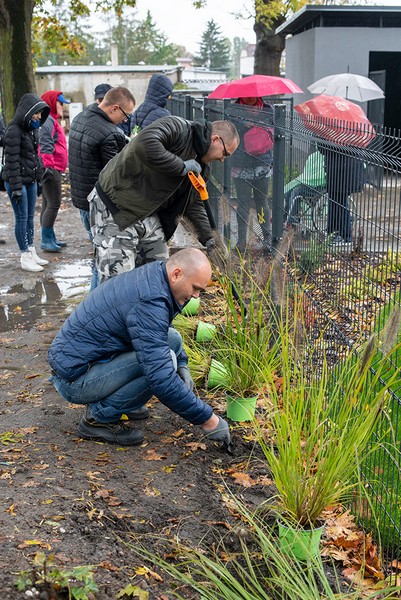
(191,165)
(220,433)
(213,247)
(210,244)
(16,196)
(185,375)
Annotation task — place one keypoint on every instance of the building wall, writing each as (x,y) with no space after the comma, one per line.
(323,51)
(79,85)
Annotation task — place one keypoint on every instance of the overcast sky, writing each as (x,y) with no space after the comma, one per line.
(184,25)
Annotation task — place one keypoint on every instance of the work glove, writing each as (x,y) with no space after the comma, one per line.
(210,245)
(220,433)
(217,252)
(191,165)
(16,196)
(185,375)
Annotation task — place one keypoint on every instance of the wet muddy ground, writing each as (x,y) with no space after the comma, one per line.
(75,500)
(86,503)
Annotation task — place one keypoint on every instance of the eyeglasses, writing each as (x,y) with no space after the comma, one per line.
(225,153)
(127,117)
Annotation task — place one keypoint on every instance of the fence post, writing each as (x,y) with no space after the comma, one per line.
(188,107)
(278,173)
(227,179)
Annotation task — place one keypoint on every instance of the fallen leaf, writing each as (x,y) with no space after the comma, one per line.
(108,566)
(29,543)
(103,493)
(178,433)
(243,479)
(196,446)
(11,510)
(133,591)
(169,469)
(153,455)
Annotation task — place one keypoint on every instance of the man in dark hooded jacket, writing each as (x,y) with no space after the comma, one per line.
(142,191)
(154,106)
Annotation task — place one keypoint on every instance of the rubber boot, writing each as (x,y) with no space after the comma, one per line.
(56,241)
(48,244)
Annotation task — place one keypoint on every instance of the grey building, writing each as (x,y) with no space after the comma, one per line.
(366,40)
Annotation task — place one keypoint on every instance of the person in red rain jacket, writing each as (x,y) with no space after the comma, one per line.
(54,154)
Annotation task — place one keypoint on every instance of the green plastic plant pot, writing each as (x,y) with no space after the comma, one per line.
(301,543)
(192,308)
(217,375)
(240,409)
(205,332)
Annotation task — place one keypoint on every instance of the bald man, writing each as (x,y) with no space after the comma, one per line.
(117,350)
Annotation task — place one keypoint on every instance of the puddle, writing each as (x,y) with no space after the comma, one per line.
(68,285)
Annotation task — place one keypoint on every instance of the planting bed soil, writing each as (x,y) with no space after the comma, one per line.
(78,501)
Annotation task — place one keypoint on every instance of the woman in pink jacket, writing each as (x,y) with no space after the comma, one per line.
(54,154)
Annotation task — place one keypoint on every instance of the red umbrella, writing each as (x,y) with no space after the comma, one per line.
(255,86)
(337,120)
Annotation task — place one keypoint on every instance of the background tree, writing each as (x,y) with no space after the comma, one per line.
(214,50)
(62,37)
(16,20)
(142,42)
(238,45)
(270,14)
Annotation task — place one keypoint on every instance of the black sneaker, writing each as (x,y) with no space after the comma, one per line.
(112,433)
(139,414)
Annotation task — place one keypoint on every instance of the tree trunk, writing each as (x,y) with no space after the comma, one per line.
(269,48)
(16,68)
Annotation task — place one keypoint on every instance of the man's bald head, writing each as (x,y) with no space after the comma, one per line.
(188,273)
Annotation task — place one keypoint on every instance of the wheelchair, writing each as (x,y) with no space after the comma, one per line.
(306,201)
(307,210)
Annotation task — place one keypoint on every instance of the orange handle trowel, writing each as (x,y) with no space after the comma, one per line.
(199,184)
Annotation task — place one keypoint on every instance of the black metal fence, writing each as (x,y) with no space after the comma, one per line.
(341,200)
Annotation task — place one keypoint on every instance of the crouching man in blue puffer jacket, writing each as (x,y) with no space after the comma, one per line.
(117,350)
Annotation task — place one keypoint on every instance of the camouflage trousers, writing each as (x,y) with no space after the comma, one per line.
(117,251)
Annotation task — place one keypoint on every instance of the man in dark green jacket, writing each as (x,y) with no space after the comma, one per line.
(143,190)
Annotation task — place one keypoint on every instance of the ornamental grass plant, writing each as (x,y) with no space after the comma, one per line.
(199,360)
(322,423)
(244,344)
(186,326)
(255,570)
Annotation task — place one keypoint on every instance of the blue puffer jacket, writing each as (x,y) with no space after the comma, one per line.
(132,311)
(154,106)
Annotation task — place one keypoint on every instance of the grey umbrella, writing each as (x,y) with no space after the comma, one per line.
(349,86)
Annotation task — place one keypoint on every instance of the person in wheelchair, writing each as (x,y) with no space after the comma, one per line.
(310,183)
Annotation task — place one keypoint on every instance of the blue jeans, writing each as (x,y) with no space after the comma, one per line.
(115,386)
(24,212)
(85,221)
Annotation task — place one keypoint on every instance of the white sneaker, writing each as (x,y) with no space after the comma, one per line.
(28,263)
(36,258)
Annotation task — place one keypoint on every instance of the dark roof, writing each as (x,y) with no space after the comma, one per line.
(312,15)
